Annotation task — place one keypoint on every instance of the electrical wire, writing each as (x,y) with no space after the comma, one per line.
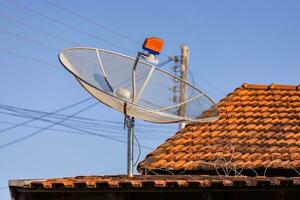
(52,129)
(100,127)
(88,122)
(56,111)
(113,131)
(43,129)
(28,39)
(209,83)
(87,132)
(192,77)
(165,62)
(38,29)
(101,26)
(139,150)
(42,44)
(77,29)
(26,57)
(106,129)
(74,28)
(97,24)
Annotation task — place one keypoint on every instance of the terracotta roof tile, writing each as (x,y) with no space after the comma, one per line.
(258,124)
(149,182)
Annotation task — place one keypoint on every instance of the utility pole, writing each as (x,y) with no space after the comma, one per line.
(179,88)
(176,86)
(183,87)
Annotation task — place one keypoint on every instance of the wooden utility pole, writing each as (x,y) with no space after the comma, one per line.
(183,87)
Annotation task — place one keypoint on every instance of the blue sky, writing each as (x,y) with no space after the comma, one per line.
(231,42)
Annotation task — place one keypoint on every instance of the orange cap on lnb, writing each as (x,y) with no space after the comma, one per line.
(154,45)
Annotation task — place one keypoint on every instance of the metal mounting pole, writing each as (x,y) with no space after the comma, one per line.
(183,88)
(133,75)
(130,121)
(130,142)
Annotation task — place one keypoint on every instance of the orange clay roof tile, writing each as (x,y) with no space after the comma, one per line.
(259,126)
(150,182)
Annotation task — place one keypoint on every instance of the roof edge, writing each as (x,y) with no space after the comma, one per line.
(273,86)
(119,182)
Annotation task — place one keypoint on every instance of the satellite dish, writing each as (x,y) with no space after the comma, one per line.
(137,88)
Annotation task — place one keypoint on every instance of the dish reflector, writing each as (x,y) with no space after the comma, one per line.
(108,77)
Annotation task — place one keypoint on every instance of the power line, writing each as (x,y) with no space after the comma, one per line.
(42,44)
(113,131)
(101,26)
(102,129)
(165,62)
(53,129)
(44,128)
(117,134)
(85,120)
(56,111)
(85,131)
(28,39)
(139,150)
(45,45)
(210,84)
(192,77)
(74,28)
(38,29)
(26,57)
(81,120)
(65,24)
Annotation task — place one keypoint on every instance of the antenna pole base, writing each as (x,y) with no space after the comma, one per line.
(130,144)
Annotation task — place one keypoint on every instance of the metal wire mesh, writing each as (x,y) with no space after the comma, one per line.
(109,77)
